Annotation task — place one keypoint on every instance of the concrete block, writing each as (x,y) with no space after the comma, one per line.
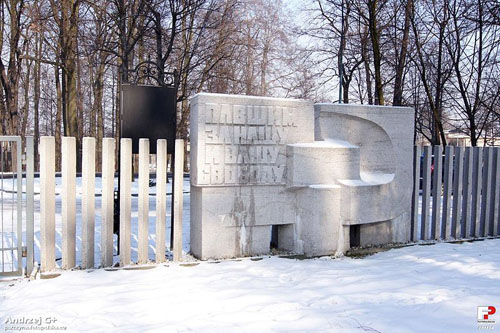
(256,164)
(161,208)
(88,202)
(321,162)
(107,208)
(143,214)
(177,198)
(319,220)
(68,166)
(125,199)
(47,204)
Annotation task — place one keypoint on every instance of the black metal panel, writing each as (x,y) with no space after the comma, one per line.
(148,112)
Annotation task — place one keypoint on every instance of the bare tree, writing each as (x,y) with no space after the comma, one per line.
(429,62)
(10,74)
(473,51)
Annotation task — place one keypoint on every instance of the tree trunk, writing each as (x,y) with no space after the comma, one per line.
(26,106)
(36,97)
(366,61)
(437,129)
(377,57)
(59,112)
(263,70)
(98,111)
(398,81)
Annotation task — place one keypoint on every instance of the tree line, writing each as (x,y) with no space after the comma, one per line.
(439,56)
(63,62)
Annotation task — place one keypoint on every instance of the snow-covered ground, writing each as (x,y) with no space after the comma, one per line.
(433,288)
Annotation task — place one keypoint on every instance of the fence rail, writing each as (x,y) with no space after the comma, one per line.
(464,184)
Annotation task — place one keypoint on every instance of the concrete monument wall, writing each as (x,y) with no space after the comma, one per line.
(311,171)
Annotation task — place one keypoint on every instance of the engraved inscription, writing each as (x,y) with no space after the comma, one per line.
(244,144)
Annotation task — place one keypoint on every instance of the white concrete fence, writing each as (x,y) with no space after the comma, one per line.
(68,168)
(456,194)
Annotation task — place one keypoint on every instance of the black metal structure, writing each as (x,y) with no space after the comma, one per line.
(148,110)
(149,73)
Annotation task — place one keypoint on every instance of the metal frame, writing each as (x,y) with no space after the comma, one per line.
(30,202)
(150,70)
(19,176)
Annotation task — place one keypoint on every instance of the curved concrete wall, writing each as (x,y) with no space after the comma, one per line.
(384,135)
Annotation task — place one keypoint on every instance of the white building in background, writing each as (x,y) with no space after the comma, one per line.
(460,138)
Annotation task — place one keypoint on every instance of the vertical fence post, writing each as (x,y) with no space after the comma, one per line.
(495,196)
(30,200)
(161,187)
(88,202)
(177,195)
(476,189)
(436,192)
(68,164)
(465,230)
(125,199)
(448,177)
(19,203)
(47,203)
(485,226)
(107,203)
(417,152)
(143,216)
(457,190)
(426,191)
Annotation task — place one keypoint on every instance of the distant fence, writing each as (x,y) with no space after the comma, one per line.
(88,228)
(14,246)
(456,193)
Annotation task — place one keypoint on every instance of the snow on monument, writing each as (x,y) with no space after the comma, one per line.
(324,175)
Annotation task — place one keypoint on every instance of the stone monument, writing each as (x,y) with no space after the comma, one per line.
(324,175)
